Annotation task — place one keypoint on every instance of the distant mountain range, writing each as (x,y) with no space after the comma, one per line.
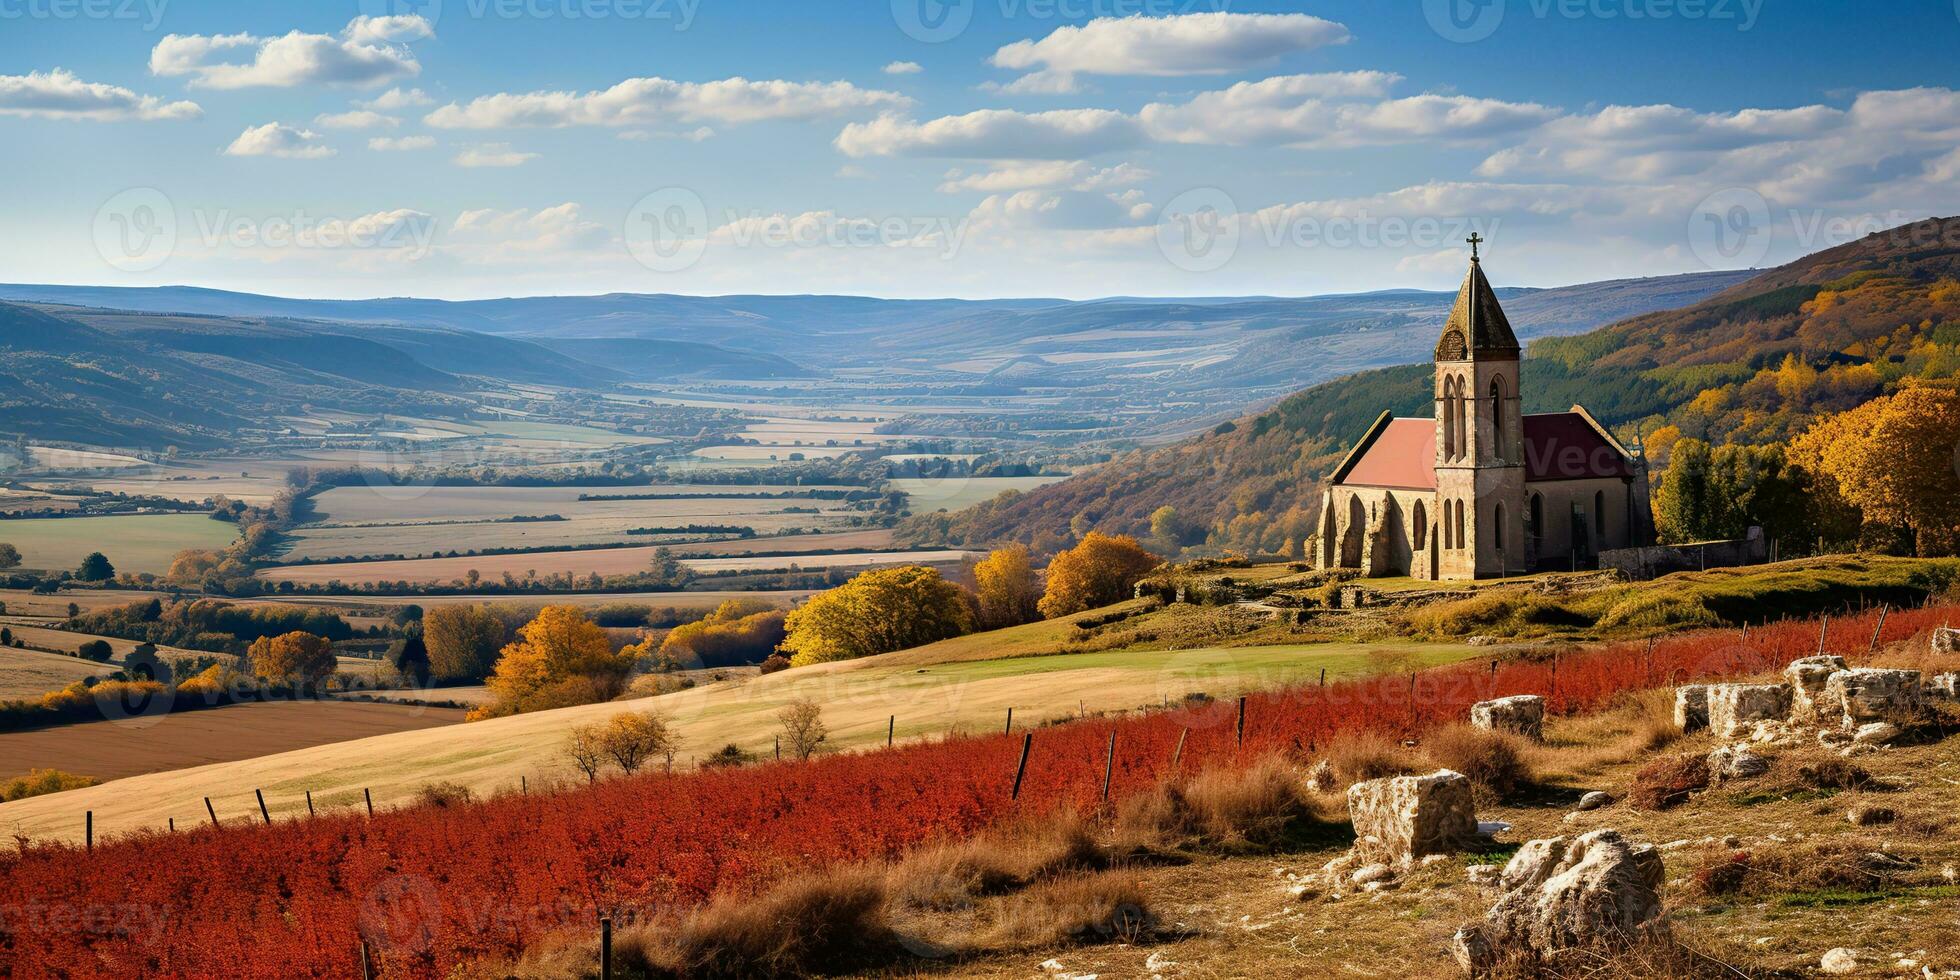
(1753,362)
(148,367)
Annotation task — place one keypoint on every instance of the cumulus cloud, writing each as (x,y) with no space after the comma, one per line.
(1184,44)
(904,68)
(1077,175)
(58,94)
(1000,134)
(524,235)
(1341,109)
(395,100)
(368,52)
(356,119)
(1036,83)
(390,144)
(698,134)
(492,155)
(279,140)
(650,101)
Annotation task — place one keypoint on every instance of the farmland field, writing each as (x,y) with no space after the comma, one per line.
(30,673)
(959,492)
(601,561)
(135,543)
(113,750)
(930,691)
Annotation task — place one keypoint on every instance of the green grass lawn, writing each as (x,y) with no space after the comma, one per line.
(134,543)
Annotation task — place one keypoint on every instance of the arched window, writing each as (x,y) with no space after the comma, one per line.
(1459,525)
(1419,524)
(1535,518)
(1497,418)
(1497,528)
(1599,514)
(1448,409)
(1463,399)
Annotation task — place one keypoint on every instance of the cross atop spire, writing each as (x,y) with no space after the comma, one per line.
(1474,240)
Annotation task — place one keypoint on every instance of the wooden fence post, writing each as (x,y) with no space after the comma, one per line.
(263,812)
(891,730)
(173,825)
(1027,745)
(524,784)
(1241,724)
(1109,765)
(1880,628)
(1177,754)
(1823,629)
(1009,730)
(367,971)
(779,748)
(309,803)
(1323,677)
(369,796)
(605,947)
(88,826)
(210,810)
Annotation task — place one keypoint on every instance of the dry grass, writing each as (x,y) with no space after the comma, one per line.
(1111,906)
(1363,756)
(1494,761)
(1257,808)
(1668,781)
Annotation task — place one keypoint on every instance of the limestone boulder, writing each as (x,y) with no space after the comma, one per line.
(1944,687)
(1807,678)
(1405,818)
(1734,709)
(1522,714)
(1735,762)
(1567,900)
(1946,640)
(1691,707)
(1866,694)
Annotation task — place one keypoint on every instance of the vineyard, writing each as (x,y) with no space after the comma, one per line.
(427,888)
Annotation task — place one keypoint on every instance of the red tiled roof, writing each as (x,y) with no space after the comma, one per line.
(1402,456)
(1558,446)
(1565,446)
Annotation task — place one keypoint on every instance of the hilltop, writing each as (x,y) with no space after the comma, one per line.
(1755,362)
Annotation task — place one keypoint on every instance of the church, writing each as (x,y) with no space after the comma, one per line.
(1482,490)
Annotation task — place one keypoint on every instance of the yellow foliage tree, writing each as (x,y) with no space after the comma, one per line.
(1008,588)
(876,612)
(296,657)
(560,658)
(1099,571)
(1893,458)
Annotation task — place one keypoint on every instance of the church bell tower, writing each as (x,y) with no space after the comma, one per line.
(1480,447)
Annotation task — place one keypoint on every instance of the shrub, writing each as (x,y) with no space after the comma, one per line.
(729,756)
(445,795)
(96,650)
(1110,907)
(1657,608)
(1234,810)
(776,662)
(1499,612)
(40,782)
(1668,781)
(1362,756)
(1495,761)
(821,923)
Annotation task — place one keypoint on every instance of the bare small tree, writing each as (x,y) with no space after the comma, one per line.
(635,737)
(586,748)
(803,727)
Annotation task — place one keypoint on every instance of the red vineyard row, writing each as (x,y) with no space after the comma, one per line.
(428,888)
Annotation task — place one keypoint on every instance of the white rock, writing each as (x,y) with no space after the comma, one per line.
(1404,818)
(1839,960)
(1735,708)
(1521,714)
(1875,733)
(1867,694)
(1728,762)
(1691,707)
(1484,874)
(1373,872)
(1807,677)
(1568,897)
(1593,800)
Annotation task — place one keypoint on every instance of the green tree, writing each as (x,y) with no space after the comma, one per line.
(95,568)
(462,642)
(667,570)
(410,658)
(1096,572)
(9,556)
(1169,528)
(876,612)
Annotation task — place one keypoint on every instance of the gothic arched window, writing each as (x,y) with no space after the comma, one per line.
(1497,418)
(1459,525)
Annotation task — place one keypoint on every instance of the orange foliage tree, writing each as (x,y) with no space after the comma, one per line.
(1007,588)
(1100,570)
(296,657)
(560,658)
(1893,458)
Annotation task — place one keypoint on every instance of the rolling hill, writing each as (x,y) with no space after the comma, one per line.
(1755,362)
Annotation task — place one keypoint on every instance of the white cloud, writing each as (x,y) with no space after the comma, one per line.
(390,144)
(523,235)
(367,52)
(396,99)
(699,134)
(1036,83)
(279,140)
(1185,44)
(1044,174)
(650,101)
(58,94)
(903,68)
(492,155)
(1340,109)
(995,134)
(356,119)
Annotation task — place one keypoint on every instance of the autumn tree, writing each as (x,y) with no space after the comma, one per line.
(561,658)
(1100,570)
(295,658)
(738,632)
(635,738)
(9,556)
(803,728)
(462,642)
(1007,588)
(585,747)
(95,568)
(1893,458)
(876,612)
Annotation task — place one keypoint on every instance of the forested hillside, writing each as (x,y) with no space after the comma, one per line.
(1756,364)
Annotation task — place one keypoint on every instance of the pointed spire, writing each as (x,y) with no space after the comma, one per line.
(1477,324)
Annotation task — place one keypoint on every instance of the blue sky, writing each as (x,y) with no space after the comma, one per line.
(1079,148)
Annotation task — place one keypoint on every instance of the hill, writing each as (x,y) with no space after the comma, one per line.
(1755,362)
